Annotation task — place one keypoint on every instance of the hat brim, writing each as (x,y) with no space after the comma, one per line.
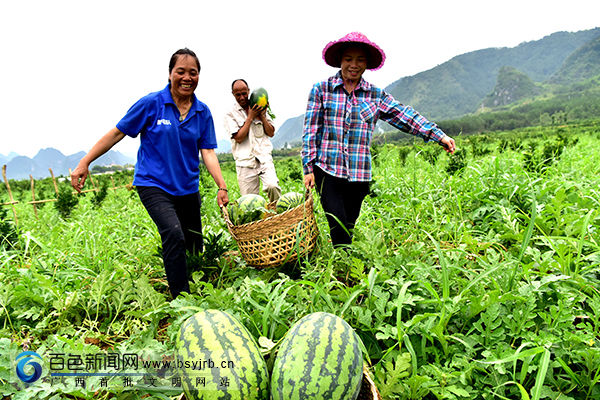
(332,54)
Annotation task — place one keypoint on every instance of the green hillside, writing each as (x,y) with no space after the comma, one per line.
(583,64)
(572,93)
(578,102)
(458,86)
(512,86)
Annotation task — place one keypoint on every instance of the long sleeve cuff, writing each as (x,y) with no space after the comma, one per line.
(308,168)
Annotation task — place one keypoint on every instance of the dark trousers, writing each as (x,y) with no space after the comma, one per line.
(178,221)
(341,201)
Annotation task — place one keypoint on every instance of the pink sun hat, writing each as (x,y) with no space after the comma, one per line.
(332,53)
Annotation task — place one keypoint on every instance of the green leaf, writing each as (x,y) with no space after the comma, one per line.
(515,356)
(390,374)
(522,390)
(541,375)
(458,391)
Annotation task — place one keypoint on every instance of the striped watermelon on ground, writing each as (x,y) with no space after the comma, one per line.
(319,359)
(217,336)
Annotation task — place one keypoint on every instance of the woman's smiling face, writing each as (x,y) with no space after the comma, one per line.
(353,63)
(184,76)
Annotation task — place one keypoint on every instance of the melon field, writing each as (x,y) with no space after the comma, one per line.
(473,276)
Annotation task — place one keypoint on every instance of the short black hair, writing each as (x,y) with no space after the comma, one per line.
(240,79)
(182,52)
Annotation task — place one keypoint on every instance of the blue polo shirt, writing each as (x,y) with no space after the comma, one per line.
(168,156)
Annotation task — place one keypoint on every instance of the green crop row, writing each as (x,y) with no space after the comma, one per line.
(470,276)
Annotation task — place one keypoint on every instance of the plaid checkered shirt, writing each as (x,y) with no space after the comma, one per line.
(338,127)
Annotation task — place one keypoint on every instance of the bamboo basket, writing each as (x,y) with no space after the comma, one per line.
(368,390)
(279,238)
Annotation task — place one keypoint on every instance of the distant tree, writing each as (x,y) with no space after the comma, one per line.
(545,119)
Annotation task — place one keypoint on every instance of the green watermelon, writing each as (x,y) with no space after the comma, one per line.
(319,358)
(235,214)
(252,207)
(260,97)
(289,201)
(238,370)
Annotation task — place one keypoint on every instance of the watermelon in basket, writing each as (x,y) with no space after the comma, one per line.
(289,201)
(276,238)
(248,208)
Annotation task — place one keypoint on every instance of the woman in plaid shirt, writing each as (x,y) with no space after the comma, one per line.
(338,126)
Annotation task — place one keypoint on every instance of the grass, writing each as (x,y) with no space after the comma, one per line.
(475,281)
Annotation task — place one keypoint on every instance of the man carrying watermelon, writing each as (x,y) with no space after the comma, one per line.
(250,128)
(338,126)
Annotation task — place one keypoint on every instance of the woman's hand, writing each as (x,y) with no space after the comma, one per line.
(309,181)
(448,144)
(222,198)
(79,175)
(105,143)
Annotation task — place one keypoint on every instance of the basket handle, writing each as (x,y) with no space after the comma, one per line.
(307,193)
(225,214)
(228,222)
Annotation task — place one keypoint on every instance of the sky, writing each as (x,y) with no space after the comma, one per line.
(70,70)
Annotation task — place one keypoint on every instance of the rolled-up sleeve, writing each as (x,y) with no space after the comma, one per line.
(407,119)
(230,124)
(313,129)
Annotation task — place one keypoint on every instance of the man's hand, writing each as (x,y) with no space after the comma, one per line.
(255,111)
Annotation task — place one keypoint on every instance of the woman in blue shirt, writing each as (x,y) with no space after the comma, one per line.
(174,128)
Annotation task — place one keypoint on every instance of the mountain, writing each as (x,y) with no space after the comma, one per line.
(21,167)
(290,132)
(492,77)
(458,86)
(73,160)
(4,159)
(512,85)
(582,64)
(109,158)
(49,158)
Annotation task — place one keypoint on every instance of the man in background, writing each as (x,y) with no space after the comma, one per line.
(250,130)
